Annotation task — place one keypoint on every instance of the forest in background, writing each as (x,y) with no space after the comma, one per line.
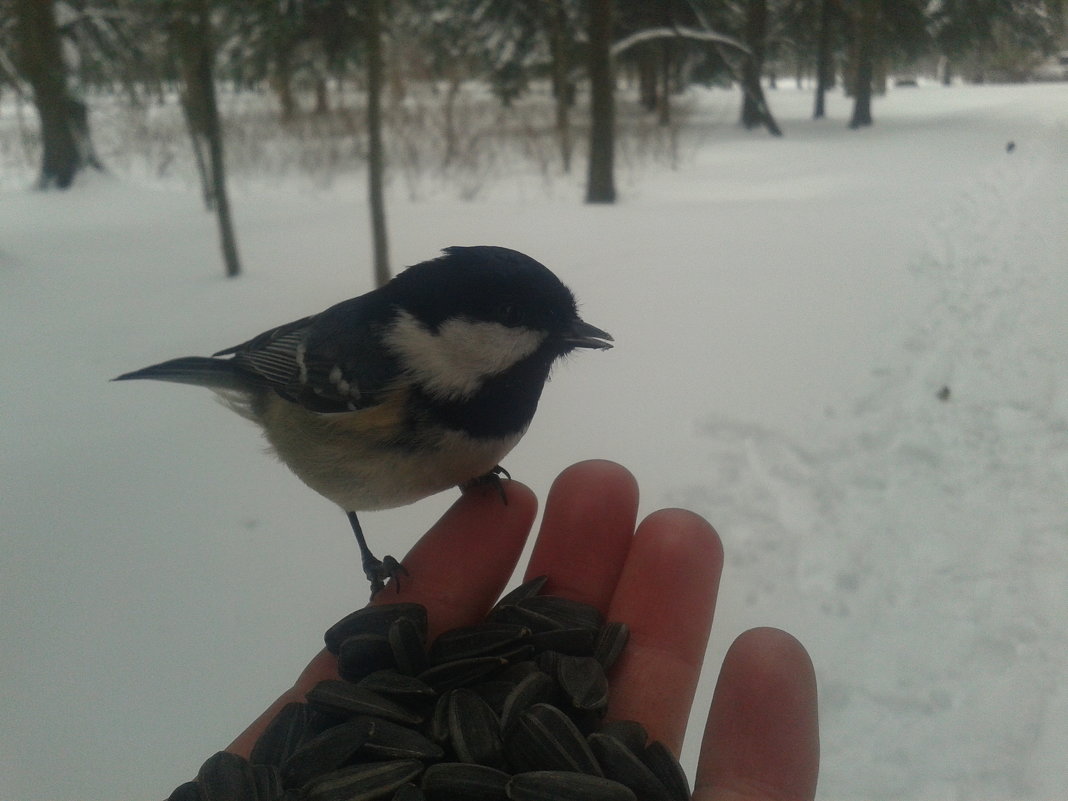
(450,87)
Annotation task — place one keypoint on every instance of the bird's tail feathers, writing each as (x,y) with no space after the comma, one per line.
(216,374)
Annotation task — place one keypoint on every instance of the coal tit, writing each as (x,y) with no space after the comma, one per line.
(420,385)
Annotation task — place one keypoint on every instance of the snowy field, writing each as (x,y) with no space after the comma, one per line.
(787,314)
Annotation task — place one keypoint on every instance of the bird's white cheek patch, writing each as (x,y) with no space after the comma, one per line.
(454,361)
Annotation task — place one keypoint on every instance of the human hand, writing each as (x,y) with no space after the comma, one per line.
(760,740)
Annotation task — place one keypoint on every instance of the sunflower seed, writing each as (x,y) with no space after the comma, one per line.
(583,681)
(527,589)
(226,777)
(566,613)
(450,675)
(544,738)
(325,752)
(268,782)
(574,642)
(548,662)
(659,759)
(629,732)
(389,740)
(373,620)
(535,621)
(555,785)
(408,643)
(363,654)
(402,689)
(364,782)
(345,699)
(611,640)
(409,792)
(439,719)
(494,692)
(459,781)
(472,641)
(624,766)
(517,671)
(474,730)
(288,729)
(536,688)
(187,791)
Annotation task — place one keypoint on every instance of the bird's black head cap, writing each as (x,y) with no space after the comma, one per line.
(487,283)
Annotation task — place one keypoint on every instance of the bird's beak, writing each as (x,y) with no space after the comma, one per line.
(584,335)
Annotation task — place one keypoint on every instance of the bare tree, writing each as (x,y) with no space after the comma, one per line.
(563,87)
(67,148)
(376,155)
(190,29)
(824,59)
(756,31)
(865,20)
(600,185)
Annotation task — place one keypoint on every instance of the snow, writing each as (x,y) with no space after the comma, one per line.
(786,313)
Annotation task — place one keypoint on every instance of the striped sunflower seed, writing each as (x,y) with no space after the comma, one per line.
(629,732)
(659,759)
(408,644)
(373,620)
(474,730)
(611,640)
(536,688)
(460,781)
(405,690)
(566,613)
(583,681)
(326,752)
(363,654)
(346,700)
(471,641)
(544,738)
(226,777)
(289,728)
(364,782)
(556,785)
(389,740)
(527,589)
(450,675)
(624,766)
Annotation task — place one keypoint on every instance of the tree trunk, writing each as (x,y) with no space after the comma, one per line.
(824,59)
(67,148)
(663,105)
(191,29)
(562,89)
(376,155)
(600,185)
(756,26)
(281,80)
(864,23)
(647,77)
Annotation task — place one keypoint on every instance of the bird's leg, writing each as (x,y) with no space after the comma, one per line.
(492,479)
(377,570)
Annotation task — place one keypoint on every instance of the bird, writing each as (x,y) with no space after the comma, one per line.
(419,385)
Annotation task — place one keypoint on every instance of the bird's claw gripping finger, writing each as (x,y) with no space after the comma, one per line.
(379,571)
(495,479)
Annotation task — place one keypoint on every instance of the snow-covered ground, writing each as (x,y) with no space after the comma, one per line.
(787,313)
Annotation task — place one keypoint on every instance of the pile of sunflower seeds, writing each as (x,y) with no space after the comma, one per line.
(509,709)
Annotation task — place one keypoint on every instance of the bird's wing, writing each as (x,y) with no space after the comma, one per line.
(329,362)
